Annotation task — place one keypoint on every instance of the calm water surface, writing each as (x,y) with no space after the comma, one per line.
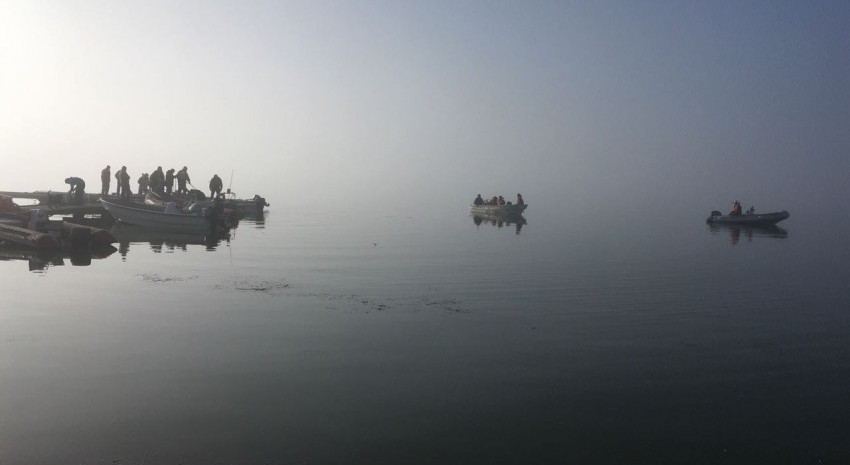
(430,337)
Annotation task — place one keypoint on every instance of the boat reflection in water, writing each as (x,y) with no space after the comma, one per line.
(256,218)
(163,240)
(749,232)
(500,221)
(40,261)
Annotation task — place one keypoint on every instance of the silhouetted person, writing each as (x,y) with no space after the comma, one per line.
(169,181)
(519,200)
(124,177)
(478,200)
(157,180)
(215,186)
(105,179)
(118,183)
(78,187)
(182,179)
(143,181)
(736,209)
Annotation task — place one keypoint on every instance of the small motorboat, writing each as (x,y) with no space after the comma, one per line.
(497,210)
(749,218)
(168,216)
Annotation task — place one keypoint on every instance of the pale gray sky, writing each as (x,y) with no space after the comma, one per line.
(630,103)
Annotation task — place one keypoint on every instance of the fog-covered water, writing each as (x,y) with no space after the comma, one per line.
(426,336)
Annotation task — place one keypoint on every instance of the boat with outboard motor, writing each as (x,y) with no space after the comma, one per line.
(750,218)
(166,216)
(234,208)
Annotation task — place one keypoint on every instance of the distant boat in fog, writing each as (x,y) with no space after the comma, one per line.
(497,210)
(752,219)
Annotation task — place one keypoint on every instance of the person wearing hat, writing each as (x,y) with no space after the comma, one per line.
(215,186)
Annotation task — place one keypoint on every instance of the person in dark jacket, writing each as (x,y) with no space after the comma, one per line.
(118,183)
(144,181)
(169,181)
(124,177)
(182,179)
(78,187)
(215,186)
(105,179)
(157,180)
(478,200)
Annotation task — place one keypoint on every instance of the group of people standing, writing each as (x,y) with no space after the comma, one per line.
(497,200)
(158,181)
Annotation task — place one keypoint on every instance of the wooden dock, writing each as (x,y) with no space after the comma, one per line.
(65,206)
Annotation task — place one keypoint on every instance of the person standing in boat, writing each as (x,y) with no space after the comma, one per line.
(118,183)
(169,181)
(478,200)
(157,180)
(78,188)
(182,180)
(143,181)
(215,186)
(124,182)
(105,178)
(736,209)
(519,200)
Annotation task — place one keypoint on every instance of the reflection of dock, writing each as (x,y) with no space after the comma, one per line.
(40,259)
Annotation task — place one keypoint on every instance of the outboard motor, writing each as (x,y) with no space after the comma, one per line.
(714,213)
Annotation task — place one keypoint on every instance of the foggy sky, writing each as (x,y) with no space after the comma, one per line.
(630,105)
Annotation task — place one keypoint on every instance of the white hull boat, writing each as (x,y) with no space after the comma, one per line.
(167,216)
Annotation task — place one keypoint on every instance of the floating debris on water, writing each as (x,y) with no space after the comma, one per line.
(156,278)
(355,302)
(254,285)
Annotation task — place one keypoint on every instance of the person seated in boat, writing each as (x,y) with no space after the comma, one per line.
(215,186)
(519,200)
(501,200)
(736,209)
(78,188)
(478,200)
(494,201)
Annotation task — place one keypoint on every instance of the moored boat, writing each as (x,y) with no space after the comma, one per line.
(752,219)
(167,216)
(497,210)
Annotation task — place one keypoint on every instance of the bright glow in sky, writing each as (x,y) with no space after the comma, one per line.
(626,103)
